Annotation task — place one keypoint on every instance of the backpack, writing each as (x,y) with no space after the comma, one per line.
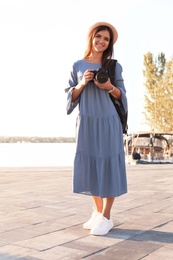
(123,117)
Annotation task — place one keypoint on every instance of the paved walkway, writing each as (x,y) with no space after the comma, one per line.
(40,217)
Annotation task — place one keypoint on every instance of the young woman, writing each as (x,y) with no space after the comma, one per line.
(99,164)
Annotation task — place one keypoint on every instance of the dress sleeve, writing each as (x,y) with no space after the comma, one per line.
(119,83)
(72,82)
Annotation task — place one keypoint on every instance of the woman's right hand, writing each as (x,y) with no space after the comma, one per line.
(87,76)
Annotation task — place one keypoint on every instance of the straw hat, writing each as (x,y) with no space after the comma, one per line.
(115,33)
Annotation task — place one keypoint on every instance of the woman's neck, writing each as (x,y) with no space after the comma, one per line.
(95,58)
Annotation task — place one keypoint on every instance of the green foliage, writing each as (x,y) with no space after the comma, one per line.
(158,74)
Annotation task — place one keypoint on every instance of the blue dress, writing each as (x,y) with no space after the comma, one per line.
(99,164)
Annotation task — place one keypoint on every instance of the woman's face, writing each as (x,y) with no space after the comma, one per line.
(101,41)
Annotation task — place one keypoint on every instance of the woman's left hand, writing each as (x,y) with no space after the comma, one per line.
(107,85)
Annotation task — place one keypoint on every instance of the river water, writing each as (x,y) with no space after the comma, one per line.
(36,154)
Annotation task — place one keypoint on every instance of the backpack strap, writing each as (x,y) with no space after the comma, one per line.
(111,71)
(111,74)
(123,117)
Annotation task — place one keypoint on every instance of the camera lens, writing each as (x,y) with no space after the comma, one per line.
(101,77)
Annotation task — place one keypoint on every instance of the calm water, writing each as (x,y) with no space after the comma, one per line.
(34,154)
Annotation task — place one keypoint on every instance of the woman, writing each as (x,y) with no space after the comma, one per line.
(99,164)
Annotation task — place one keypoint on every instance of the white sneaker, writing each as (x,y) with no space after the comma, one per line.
(92,221)
(102,226)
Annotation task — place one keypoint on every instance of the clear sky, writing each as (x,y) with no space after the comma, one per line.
(39,41)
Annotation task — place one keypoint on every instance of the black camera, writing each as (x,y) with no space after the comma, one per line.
(101,75)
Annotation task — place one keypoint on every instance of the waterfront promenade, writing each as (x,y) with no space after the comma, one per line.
(40,217)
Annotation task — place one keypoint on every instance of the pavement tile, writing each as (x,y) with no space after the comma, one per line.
(122,233)
(92,244)
(60,253)
(53,239)
(126,250)
(11,225)
(156,219)
(71,220)
(15,251)
(166,227)
(19,234)
(46,227)
(163,253)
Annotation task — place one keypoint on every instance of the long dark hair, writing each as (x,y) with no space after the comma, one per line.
(108,53)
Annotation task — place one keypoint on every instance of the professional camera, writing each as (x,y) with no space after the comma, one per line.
(101,75)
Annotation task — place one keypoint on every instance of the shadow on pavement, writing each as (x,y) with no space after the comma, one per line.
(142,235)
(13,257)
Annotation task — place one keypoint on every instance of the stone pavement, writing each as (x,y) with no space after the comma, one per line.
(40,217)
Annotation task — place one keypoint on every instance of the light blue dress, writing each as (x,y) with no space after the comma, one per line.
(99,164)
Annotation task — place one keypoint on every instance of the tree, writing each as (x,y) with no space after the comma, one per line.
(158,74)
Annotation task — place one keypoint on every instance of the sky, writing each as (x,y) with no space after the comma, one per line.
(40,40)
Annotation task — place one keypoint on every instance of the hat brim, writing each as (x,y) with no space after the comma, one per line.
(114,31)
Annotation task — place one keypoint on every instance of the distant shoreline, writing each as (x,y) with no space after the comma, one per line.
(36,139)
